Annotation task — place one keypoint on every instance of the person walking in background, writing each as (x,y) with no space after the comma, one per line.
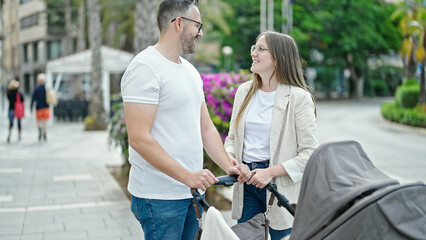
(168,125)
(42,108)
(12,95)
(273,130)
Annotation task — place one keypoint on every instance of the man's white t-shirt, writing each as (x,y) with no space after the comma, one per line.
(177,89)
(257,129)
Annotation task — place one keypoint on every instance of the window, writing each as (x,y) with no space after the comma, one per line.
(35,51)
(23,1)
(25,52)
(54,49)
(29,21)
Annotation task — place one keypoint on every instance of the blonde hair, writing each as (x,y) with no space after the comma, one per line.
(13,84)
(288,67)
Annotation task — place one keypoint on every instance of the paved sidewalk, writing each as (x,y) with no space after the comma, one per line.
(61,189)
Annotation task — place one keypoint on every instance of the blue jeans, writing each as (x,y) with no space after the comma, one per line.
(166,219)
(12,117)
(255,202)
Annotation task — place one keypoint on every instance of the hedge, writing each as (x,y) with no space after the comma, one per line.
(407,94)
(409,116)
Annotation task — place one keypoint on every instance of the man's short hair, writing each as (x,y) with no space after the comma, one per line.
(170,9)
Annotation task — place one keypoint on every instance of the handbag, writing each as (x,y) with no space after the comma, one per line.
(257,227)
(19,107)
(51,98)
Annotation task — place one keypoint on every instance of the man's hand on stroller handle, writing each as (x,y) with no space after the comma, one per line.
(202,179)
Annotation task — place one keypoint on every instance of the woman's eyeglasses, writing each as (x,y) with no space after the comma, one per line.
(259,49)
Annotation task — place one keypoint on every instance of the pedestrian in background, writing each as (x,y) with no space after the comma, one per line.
(13,95)
(273,130)
(168,125)
(42,108)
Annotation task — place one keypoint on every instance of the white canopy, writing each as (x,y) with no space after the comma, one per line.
(113,61)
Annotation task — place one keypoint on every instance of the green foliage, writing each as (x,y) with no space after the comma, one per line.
(380,88)
(244,25)
(391,75)
(411,82)
(413,117)
(118,23)
(325,81)
(407,94)
(350,32)
(338,27)
(117,130)
(55,14)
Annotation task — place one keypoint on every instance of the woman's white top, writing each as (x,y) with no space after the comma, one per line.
(257,127)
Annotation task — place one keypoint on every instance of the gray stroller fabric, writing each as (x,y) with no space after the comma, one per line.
(338,177)
(395,212)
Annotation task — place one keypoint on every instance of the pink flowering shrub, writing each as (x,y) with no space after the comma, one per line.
(219,90)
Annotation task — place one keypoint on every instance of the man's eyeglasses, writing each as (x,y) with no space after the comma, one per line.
(192,20)
(259,49)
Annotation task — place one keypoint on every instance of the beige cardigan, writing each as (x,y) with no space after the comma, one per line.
(293,138)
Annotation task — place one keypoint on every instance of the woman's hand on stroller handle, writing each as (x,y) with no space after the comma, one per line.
(242,171)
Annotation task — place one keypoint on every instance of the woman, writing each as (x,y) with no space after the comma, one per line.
(42,108)
(12,93)
(273,130)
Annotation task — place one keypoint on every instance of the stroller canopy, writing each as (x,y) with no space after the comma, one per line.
(340,183)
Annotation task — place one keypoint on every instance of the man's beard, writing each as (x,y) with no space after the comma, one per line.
(188,44)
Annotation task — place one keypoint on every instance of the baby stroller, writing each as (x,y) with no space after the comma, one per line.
(344,196)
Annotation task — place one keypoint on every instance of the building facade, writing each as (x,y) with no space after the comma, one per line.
(30,40)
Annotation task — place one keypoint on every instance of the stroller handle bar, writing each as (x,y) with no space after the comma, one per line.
(282,200)
(229,180)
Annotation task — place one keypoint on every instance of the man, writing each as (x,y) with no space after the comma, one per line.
(168,125)
(42,108)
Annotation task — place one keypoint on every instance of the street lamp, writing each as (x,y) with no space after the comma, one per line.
(227,51)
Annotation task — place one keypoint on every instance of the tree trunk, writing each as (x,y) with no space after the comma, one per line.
(68,28)
(146,30)
(422,99)
(358,80)
(81,32)
(410,66)
(77,81)
(74,85)
(96,106)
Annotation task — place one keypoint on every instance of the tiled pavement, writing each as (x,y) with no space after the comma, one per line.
(61,189)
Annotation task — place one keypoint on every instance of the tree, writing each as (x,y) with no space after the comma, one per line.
(146,30)
(412,24)
(81,26)
(77,82)
(403,15)
(352,31)
(96,106)
(243,23)
(68,28)
(118,23)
